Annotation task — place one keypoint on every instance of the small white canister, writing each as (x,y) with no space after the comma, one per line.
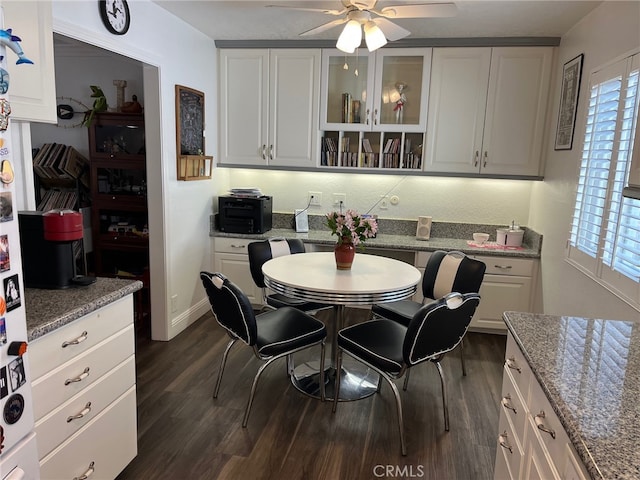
(510,236)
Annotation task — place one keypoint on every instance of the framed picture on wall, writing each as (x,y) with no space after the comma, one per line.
(571,76)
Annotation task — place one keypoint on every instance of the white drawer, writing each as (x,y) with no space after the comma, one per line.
(108,442)
(518,367)
(513,407)
(509,448)
(507,266)
(231,245)
(48,352)
(57,426)
(50,391)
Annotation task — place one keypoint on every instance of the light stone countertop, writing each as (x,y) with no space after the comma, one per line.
(589,369)
(47,310)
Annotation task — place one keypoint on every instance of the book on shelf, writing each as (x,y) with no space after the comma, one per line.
(58,161)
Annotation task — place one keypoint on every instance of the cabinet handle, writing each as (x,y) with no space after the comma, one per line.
(375,116)
(79,378)
(511,363)
(486,155)
(475,158)
(502,440)
(82,413)
(233,245)
(506,403)
(270,152)
(76,341)
(264,149)
(368,111)
(503,267)
(88,472)
(539,418)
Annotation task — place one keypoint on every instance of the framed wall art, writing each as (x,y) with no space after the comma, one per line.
(571,76)
(192,164)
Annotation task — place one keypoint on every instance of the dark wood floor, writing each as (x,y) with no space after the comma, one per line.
(184,433)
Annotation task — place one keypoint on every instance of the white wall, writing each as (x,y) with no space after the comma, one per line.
(174,53)
(611,30)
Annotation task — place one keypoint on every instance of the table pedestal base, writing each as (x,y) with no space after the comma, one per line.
(356,381)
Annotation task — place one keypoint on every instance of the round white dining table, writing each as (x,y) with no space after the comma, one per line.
(314,277)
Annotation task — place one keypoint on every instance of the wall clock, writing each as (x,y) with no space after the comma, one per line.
(115,15)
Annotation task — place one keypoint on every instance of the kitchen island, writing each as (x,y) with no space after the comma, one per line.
(589,372)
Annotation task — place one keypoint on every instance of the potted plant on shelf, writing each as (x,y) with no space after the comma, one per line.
(352,229)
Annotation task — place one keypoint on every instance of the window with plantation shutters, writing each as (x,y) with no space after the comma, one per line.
(605,230)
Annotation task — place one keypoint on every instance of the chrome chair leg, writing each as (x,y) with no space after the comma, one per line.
(403,447)
(406,380)
(322,354)
(290,365)
(222,365)
(379,383)
(336,389)
(464,368)
(445,405)
(253,390)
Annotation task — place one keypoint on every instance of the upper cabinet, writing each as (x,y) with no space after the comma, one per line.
(487,110)
(381,91)
(268,105)
(33,90)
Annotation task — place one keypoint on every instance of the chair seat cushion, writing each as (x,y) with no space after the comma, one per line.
(278,300)
(401,311)
(287,329)
(377,342)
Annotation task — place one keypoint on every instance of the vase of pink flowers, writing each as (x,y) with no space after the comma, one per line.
(352,229)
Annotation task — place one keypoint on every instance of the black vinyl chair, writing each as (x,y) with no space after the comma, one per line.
(445,272)
(271,335)
(391,349)
(264,250)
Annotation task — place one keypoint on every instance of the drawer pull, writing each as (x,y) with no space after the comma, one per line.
(87,473)
(76,341)
(85,411)
(506,403)
(233,245)
(539,418)
(79,378)
(502,440)
(503,267)
(511,363)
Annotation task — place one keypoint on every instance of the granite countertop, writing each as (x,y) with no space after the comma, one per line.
(401,235)
(589,370)
(47,310)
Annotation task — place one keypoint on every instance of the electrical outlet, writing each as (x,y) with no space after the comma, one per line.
(384,202)
(340,197)
(315,198)
(174,303)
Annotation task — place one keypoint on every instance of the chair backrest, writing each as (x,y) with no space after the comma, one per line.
(438,327)
(260,252)
(448,272)
(231,307)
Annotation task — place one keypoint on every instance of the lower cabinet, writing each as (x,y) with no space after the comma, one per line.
(231,258)
(84,394)
(532,444)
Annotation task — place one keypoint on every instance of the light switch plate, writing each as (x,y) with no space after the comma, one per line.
(302,220)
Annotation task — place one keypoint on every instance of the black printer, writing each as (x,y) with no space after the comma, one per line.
(238,214)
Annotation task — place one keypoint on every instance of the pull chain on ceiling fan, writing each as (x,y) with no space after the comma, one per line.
(361,15)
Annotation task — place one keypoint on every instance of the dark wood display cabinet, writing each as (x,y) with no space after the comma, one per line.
(119,212)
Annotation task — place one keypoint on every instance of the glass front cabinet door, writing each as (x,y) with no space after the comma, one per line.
(386,90)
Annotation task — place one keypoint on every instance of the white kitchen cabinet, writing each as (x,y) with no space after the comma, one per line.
(532,444)
(268,107)
(487,110)
(377,117)
(231,258)
(507,285)
(32,87)
(84,394)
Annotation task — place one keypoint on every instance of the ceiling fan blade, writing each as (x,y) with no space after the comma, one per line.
(318,10)
(391,31)
(424,10)
(324,27)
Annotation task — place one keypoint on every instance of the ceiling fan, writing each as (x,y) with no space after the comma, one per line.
(359,15)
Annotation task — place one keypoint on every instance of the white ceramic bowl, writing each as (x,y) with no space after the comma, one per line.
(480,238)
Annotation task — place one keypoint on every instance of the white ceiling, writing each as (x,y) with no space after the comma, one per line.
(251,20)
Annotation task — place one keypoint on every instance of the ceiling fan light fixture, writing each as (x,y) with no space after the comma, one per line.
(373,36)
(350,37)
